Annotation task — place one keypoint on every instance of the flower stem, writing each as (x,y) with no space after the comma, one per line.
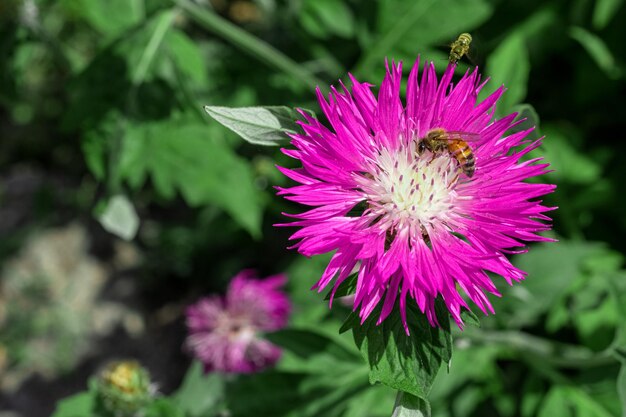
(248,43)
(408,405)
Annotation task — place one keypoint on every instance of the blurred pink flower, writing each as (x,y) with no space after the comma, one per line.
(418,222)
(224,332)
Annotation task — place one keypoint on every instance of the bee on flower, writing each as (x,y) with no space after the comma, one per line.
(422,198)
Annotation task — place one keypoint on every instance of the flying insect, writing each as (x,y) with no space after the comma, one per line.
(460,47)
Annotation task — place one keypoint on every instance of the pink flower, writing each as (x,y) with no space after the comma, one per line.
(224,332)
(416,222)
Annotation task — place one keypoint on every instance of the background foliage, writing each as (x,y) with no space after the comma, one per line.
(101,117)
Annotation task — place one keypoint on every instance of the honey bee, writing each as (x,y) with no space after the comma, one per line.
(455,143)
(460,47)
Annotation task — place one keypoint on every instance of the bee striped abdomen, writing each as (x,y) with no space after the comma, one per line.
(461,151)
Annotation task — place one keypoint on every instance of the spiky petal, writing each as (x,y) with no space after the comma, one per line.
(412,223)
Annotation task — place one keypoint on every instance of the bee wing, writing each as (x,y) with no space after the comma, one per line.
(458,135)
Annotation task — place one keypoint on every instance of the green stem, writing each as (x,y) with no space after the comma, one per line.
(557,354)
(248,43)
(408,405)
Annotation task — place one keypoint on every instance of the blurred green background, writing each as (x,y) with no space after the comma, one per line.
(102,129)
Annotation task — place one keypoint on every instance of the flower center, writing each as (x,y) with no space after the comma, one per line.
(236,328)
(407,189)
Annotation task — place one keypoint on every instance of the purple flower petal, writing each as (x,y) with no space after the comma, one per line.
(224,333)
(427,230)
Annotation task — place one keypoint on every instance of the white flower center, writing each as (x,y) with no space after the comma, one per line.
(236,328)
(404,189)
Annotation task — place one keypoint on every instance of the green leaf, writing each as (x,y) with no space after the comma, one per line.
(323,18)
(120,218)
(350,322)
(472,364)
(163,407)
(161,24)
(160,50)
(269,394)
(376,400)
(181,156)
(109,17)
(409,26)
(405,363)
(94,148)
(333,389)
(604,11)
(568,163)
(309,308)
(334,370)
(186,56)
(258,125)
(408,405)
(347,287)
(308,351)
(596,323)
(617,289)
(199,393)
(78,405)
(598,50)
(569,401)
(534,391)
(509,65)
(551,268)
(470,318)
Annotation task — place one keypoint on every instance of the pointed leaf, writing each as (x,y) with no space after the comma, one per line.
(109,17)
(347,287)
(182,156)
(376,400)
(604,11)
(408,405)
(163,407)
(323,18)
(470,318)
(187,56)
(258,125)
(199,393)
(598,50)
(509,65)
(308,351)
(78,405)
(569,401)
(406,363)
(120,218)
